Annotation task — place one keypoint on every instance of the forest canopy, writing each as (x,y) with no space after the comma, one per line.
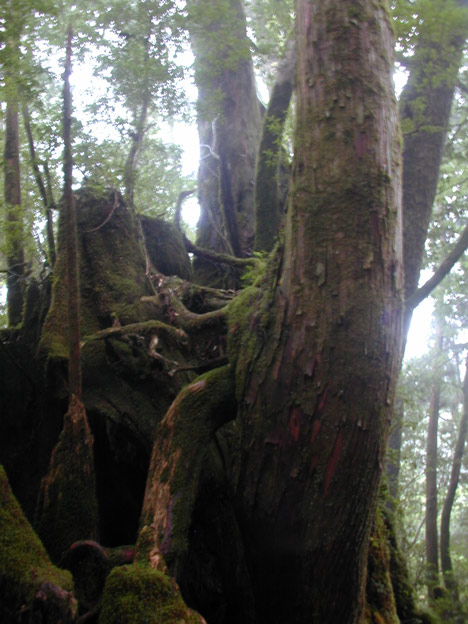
(215,420)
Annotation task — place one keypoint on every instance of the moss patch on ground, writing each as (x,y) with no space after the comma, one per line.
(135,594)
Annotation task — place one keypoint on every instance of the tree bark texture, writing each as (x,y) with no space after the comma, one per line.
(229,128)
(445,558)
(432,535)
(315,377)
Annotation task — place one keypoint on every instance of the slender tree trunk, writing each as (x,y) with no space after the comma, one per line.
(229,129)
(72,274)
(131,162)
(269,209)
(47,198)
(445,558)
(14,217)
(432,539)
(318,384)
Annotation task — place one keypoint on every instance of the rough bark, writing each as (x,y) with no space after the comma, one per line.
(315,379)
(229,129)
(269,204)
(432,534)
(445,558)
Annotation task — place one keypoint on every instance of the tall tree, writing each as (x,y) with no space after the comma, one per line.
(333,297)
(445,555)
(12,188)
(432,535)
(228,126)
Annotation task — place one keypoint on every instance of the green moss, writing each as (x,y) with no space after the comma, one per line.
(112,272)
(381,608)
(139,595)
(24,562)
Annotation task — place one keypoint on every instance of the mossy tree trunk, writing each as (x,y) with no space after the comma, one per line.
(315,403)
(269,204)
(229,130)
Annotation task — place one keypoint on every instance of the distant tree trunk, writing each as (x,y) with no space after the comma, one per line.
(229,130)
(432,540)
(445,558)
(72,273)
(14,218)
(394,455)
(425,105)
(46,196)
(269,210)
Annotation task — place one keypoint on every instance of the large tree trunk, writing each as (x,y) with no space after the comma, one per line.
(316,386)
(229,130)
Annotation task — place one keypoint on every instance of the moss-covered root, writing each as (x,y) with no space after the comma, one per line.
(178,451)
(137,594)
(67,507)
(29,583)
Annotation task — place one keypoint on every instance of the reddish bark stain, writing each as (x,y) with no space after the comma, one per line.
(315,430)
(333,461)
(295,423)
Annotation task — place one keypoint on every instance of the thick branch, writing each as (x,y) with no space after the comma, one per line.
(136,328)
(220,258)
(443,270)
(180,201)
(178,452)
